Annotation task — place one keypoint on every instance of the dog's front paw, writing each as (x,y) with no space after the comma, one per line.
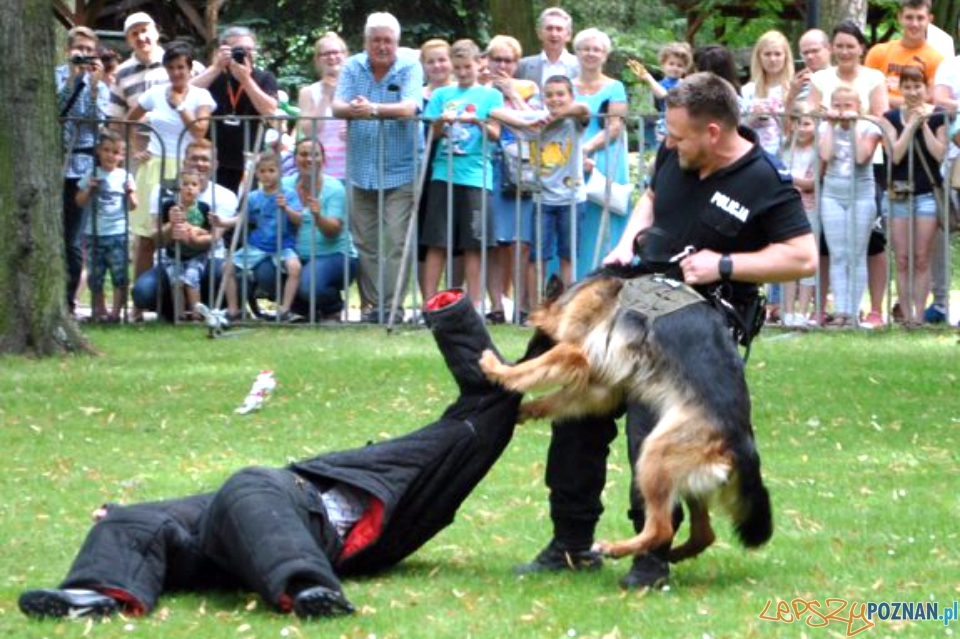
(610,549)
(491,365)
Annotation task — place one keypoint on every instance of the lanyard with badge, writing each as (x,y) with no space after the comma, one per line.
(232,119)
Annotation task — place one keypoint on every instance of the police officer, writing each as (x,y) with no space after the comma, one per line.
(716,190)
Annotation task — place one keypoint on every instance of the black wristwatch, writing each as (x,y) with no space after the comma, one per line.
(725,267)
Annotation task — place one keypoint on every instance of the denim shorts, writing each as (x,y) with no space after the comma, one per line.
(106,253)
(556,226)
(505,205)
(924,205)
(191,270)
(247,257)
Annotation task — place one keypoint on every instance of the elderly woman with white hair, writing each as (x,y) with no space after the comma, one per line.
(603,142)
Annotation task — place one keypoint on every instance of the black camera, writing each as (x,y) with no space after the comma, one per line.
(83,59)
(239,54)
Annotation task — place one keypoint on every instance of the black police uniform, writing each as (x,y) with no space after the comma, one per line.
(739,208)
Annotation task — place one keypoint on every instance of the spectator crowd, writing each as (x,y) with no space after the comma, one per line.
(486,168)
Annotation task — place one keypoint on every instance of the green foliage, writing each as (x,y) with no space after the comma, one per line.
(637,27)
(739,33)
(286,48)
(858,433)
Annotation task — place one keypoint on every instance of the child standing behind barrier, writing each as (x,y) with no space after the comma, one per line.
(273,236)
(848,207)
(109,192)
(676,61)
(558,155)
(919,132)
(462,165)
(186,229)
(800,157)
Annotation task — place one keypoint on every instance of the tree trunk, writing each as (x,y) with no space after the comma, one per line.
(833,12)
(946,14)
(33,312)
(212,20)
(516,19)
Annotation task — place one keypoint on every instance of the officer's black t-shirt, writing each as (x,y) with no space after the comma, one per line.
(230,136)
(739,208)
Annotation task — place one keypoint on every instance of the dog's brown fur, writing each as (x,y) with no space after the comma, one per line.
(605,355)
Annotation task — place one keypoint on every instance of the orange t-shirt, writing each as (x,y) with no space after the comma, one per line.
(890,57)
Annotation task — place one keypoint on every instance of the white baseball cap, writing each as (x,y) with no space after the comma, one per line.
(137,18)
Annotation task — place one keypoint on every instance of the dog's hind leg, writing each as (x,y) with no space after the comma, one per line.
(701,532)
(656,483)
(562,365)
(669,454)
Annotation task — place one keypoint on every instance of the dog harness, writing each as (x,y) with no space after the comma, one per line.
(654,296)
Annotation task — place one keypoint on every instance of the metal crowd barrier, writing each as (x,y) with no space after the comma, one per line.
(634,145)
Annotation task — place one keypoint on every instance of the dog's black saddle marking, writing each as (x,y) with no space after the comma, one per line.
(654,296)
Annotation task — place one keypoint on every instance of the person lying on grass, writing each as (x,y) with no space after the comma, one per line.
(290,534)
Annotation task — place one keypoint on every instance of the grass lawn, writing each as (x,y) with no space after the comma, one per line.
(859,433)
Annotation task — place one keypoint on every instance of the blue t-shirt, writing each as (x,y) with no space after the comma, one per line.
(463,142)
(611,93)
(667,83)
(263,213)
(333,200)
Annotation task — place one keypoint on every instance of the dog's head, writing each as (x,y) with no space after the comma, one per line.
(567,315)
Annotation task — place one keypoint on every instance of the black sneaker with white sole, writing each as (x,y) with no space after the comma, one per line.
(556,557)
(70,604)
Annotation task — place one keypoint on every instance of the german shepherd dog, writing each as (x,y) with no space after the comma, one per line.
(684,366)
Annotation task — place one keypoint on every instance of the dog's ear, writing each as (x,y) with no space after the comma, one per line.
(554,288)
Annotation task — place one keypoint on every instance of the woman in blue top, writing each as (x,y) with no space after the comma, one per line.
(603,142)
(323,242)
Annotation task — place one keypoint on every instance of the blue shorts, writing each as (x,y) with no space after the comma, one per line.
(556,226)
(106,253)
(505,205)
(191,270)
(246,258)
(924,205)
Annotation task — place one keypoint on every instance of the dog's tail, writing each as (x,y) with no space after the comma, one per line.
(752,514)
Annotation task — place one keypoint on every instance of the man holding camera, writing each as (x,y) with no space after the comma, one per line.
(82,98)
(239,90)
